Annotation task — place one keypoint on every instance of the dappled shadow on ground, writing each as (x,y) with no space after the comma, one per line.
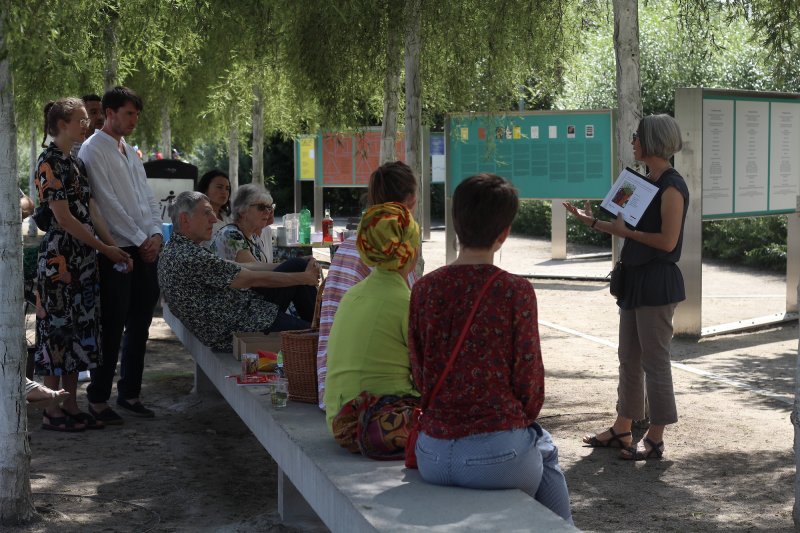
(662,495)
(195,463)
(763,360)
(697,486)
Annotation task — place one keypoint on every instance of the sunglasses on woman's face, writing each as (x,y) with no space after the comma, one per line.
(264,207)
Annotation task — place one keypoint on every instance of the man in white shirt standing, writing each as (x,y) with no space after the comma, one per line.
(119,185)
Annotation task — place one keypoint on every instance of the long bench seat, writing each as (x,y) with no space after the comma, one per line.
(347,492)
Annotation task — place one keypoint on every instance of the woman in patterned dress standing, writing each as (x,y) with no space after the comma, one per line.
(67,317)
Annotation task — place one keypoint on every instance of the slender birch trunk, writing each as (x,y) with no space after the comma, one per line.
(795,417)
(166,132)
(32,229)
(391,85)
(233,157)
(629,95)
(16,503)
(110,39)
(413,126)
(258,136)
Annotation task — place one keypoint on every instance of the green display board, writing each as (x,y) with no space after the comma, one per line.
(546,154)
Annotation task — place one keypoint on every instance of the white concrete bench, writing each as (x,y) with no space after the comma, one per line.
(317,478)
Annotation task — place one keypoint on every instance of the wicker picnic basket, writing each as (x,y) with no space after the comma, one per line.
(300,357)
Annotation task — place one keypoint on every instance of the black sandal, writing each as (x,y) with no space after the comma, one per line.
(633,453)
(60,423)
(614,441)
(85,418)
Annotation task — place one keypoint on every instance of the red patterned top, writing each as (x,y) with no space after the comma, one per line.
(497,380)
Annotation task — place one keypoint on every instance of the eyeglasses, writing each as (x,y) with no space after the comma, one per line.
(85,122)
(634,136)
(264,207)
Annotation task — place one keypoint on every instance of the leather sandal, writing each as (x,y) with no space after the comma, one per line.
(61,423)
(87,419)
(614,441)
(634,453)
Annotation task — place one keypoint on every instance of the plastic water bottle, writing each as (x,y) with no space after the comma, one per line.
(279,365)
(305,226)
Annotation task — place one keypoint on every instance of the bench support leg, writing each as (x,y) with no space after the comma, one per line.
(203,385)
(292,507)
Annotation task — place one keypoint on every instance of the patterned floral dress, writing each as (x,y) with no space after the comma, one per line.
(67,279)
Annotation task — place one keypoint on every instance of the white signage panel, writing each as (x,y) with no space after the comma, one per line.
(752,156)
(784,166)
(717,157)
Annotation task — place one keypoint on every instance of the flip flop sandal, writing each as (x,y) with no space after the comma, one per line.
(633,453)
(614,441)
(60,423)
(85,418)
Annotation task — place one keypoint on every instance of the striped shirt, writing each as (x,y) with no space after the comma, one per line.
(346,270)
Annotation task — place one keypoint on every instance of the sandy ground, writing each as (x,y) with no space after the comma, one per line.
(729,463)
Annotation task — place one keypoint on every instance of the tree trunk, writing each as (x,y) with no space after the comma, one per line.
(233,158)
(258,136)
(413,129)
(391,84)
(166,132)
(110,40)
(629,95)
(795,418)
(16,503)
(32,229)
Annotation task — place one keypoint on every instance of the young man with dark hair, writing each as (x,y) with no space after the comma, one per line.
(94,108)
(128,299)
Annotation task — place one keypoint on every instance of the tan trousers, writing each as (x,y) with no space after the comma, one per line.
(644,338)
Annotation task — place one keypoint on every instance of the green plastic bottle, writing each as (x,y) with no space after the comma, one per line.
(305,226)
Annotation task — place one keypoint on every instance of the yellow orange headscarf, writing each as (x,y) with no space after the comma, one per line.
(388,236)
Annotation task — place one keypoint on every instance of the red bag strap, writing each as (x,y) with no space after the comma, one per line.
(461,339)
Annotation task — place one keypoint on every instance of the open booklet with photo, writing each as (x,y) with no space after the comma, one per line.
(631,194)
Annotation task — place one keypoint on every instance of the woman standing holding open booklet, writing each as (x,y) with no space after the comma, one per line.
(652,287)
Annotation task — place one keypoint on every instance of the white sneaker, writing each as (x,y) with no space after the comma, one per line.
(84,376)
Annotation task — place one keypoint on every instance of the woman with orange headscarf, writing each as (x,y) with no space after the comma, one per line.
(369,394)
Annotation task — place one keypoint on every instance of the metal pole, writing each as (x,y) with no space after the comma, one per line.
(558,231)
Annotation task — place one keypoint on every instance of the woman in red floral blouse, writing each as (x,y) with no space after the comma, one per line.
(481,431)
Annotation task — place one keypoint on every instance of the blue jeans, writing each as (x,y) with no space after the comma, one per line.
(523,459)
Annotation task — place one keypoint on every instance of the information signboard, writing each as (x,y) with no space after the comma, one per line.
(340,159)
(546,154)
(751,154)
(437,158)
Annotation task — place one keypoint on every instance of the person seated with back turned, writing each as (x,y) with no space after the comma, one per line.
(369,396)
(391,182)
(479,429)
(213,297)
(242,242)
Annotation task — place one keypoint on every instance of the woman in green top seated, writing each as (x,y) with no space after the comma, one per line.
(369,394)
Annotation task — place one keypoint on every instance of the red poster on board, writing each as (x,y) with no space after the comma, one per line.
(337,159)
(368,150)
(367,155)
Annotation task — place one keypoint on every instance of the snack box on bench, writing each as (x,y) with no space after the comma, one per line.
(254,342)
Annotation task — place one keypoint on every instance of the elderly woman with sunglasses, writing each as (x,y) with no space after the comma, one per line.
(241,241)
